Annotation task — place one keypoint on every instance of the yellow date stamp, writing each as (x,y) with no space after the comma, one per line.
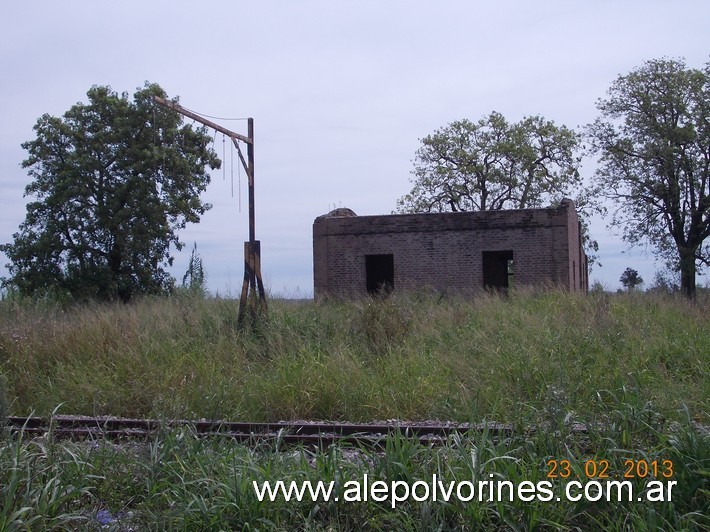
(601,468)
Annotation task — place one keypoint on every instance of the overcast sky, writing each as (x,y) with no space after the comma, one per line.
(341,92)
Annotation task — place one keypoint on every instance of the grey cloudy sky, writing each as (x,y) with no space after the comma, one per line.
(341,92)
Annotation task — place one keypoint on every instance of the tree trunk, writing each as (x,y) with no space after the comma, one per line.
(115,260)
(687,272)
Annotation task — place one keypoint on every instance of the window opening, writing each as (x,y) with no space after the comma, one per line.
(498,270)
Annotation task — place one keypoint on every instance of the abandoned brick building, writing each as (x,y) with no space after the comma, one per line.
(457,252)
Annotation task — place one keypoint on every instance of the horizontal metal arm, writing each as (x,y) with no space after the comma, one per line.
(179,109)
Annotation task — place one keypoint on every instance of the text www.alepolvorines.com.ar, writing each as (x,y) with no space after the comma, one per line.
(438,490)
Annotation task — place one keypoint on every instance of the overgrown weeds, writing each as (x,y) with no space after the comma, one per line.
(178,481)
(41,486)
(414,357)
(631,369)
(4,407)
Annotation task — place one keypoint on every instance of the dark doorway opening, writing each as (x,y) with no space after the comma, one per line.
(498,270)
(379,273)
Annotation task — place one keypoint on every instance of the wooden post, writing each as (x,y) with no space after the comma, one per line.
(253,294)
(252,249)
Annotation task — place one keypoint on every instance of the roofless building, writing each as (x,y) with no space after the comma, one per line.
(457,252)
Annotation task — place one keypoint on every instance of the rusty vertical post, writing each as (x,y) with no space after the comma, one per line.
(250,164)
(252,248)
(253,285)
(254,251)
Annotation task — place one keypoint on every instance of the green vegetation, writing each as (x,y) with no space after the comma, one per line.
(180,482)
(493,164)
(114,181)
(652,137)
(630,279)
(413,358)
(3,402)
(632,368)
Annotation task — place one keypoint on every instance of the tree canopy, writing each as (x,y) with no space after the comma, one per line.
(653,137)
(630,279)
(493,164)
(113,182)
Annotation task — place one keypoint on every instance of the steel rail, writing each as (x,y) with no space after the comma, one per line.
(309,433)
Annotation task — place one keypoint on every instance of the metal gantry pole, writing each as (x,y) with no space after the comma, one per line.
(250,162)
(253,285)
(253,293)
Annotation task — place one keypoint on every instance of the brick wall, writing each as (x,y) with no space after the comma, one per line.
(443,251)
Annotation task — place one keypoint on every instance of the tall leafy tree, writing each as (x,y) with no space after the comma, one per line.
(493,164)
(630,279)
(653,138)
(114,180)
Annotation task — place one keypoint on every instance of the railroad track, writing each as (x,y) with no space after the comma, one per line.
(306,433)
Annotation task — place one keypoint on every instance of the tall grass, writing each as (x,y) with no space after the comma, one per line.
(632,369)
(4,407)
(180,482)
(413,357)
(41,487)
